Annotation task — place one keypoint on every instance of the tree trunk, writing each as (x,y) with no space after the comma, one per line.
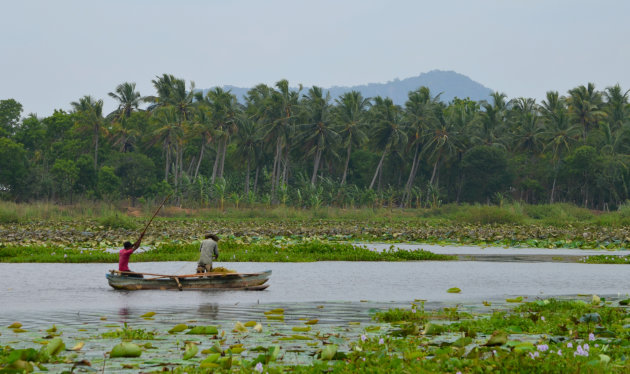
(247,179)
(285,170)
(553,189)
(203,146)
(378,169)
(216,163)
(318,155)
(275,170)
(434,170)
(95,147)
(224,151)
(380,180)
(181,161)
(189,170)
(168,162)
(412,176)
(256,179)
(345,169)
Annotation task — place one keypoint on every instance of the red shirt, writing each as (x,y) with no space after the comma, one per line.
(123,259)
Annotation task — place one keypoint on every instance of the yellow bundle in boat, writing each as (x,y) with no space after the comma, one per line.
(221,269)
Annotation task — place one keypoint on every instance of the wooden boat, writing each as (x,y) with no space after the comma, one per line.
(201,281)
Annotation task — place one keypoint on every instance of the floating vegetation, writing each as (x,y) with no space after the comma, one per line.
(125,350)
(550,335)
(606,259)
(234,250)
(127,333)
(463,226)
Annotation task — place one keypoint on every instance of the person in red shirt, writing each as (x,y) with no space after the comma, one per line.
(123,258)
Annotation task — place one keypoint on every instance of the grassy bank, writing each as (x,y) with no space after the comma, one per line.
(231,250)
(558,215)
(544,336)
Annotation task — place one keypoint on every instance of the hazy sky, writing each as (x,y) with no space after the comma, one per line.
(54,52)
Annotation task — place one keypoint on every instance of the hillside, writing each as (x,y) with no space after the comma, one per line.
(449,83)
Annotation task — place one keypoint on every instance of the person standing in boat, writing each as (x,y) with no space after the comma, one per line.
(209,251)
(123,257)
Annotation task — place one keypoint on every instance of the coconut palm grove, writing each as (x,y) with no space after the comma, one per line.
(302,148)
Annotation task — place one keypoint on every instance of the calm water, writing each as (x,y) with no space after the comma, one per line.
(48,292)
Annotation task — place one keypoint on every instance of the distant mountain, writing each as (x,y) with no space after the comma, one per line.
(449,83)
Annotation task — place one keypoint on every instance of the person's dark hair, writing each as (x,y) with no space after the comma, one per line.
(213,237)
(127,245)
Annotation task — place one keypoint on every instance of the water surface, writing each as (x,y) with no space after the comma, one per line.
(82,288)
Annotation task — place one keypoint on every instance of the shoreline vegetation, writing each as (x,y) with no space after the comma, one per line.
(44,232)
(554,335)
(300,147)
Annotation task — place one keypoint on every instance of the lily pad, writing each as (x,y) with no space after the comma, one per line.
(301,328)
(454,290)
(55,347)
(497,338)
(328,352)
(178,328)
(78,346)
(125,350)
(433,329)
(239,327)
(191,351)
(203,330)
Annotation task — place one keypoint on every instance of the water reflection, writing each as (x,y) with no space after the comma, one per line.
(210,311)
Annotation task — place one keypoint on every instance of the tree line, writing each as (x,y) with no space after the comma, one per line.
(299,147)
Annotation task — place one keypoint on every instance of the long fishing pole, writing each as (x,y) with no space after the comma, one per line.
(151,220)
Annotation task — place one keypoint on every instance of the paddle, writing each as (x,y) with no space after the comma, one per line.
(137,243)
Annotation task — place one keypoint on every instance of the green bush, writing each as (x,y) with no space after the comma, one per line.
(9,216)
(559,214)
(488,214)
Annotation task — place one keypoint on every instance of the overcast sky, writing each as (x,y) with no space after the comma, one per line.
(54,52)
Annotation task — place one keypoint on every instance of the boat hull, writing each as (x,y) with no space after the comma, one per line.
(224,281)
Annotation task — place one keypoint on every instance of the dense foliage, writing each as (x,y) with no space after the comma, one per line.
(301,148)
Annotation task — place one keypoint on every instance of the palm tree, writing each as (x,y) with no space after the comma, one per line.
(202,126)
(224,108)
(258,109)
(526,128)
(128,99)
(492,121)
(422,112)
(617,106)
(388,130)
(172,92)
(317,134)
(283,104)
(124,135)
(445,138)
(559,132)
(249,142)
(585,107)
(350,116)
(91,111)
(169,133)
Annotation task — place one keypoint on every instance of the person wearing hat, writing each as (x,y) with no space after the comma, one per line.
(209,251)
(123,258)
